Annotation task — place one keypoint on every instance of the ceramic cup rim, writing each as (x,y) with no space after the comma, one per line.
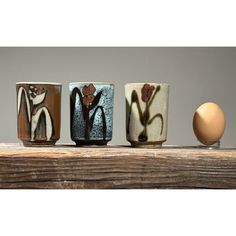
(90,82)
(138,84)
(39,83)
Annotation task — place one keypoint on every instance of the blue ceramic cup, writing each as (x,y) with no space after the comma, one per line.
(91,112)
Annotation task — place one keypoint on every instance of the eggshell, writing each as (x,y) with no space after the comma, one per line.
(209,123)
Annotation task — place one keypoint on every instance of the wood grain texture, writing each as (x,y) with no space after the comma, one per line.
(116,167)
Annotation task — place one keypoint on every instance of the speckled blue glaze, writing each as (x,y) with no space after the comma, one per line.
(100,110)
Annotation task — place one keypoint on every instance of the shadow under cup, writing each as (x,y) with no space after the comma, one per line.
(91,112)
(38,113)
(146,114)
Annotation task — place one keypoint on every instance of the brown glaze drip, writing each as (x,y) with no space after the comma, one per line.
(144,116)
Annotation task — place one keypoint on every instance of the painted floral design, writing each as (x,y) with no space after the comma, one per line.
(89,101)
(148,93)
(88,92)
(33,92)
(33,99)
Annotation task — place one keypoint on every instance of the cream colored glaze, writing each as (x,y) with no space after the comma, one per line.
(159,105)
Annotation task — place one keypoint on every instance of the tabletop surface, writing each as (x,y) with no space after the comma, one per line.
(67,166)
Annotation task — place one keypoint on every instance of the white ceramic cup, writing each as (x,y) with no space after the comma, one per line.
(146,113)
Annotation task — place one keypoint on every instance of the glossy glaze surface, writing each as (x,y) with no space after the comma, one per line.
(146,113)
(38,113)
(91,111)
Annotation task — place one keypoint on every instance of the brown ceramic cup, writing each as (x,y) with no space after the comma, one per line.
(38,113)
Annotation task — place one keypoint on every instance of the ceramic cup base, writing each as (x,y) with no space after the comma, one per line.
(91,143)
(39,144)
(146,145)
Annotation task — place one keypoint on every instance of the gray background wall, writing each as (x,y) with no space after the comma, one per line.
(195,75)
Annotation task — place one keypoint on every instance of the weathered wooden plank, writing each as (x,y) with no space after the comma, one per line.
(116,167)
